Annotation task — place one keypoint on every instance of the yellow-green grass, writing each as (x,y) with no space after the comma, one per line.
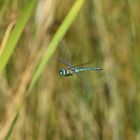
(106,105)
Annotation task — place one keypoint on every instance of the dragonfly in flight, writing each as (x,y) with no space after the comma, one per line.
(70,70)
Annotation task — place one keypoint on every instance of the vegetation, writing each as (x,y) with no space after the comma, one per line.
(36,103)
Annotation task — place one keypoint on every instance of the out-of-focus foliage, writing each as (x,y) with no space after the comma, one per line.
(97,105)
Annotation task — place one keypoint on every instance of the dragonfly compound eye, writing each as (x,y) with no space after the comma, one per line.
(62,72)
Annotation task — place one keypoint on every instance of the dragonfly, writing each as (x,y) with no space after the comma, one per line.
(70,70)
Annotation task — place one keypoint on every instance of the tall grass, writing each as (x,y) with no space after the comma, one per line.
(105,105)
(14,37)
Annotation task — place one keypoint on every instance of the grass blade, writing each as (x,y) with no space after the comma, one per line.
(58,36)
(16,34)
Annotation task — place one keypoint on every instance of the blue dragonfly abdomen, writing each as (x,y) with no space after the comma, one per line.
(76,70)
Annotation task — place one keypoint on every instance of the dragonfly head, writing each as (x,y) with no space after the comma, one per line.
(62,72)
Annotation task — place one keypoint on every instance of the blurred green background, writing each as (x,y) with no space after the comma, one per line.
(101,105)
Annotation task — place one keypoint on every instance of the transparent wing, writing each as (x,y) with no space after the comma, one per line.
(65,54)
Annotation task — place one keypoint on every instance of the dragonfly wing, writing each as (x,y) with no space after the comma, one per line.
(62,61)
(65,53)
(83,83)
